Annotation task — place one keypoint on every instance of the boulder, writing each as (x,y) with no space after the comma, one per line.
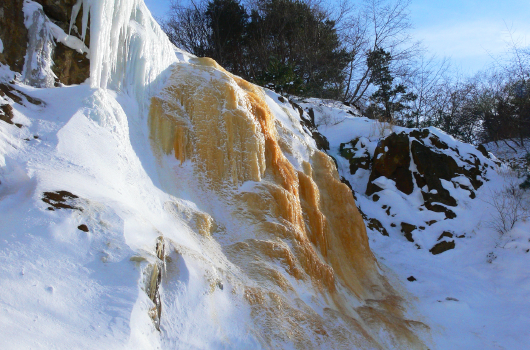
(442,247)
(392,160)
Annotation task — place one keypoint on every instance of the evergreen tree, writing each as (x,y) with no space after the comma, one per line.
(227,21)
(288,45)
(299,39)
(388,100)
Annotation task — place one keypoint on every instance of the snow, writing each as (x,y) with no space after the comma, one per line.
(474,296)
(66,288)
(1,46)
(68,40)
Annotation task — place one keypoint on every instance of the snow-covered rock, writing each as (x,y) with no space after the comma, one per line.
(467,277)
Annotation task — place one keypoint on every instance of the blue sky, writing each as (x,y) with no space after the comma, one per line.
(467,31)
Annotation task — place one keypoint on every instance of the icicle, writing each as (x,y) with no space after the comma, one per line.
(38,63)
(128,49)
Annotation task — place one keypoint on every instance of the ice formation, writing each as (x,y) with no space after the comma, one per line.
(37,69)
(201,196)
(43,34)
(128,50)
(302,225)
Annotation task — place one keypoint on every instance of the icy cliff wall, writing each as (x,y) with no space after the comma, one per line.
(303,234)
(48,41)
(273,203)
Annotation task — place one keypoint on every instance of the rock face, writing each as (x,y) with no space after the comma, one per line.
(13,34)
(308,121)
(419,170)
(392,160)
(407,231)
(70,66)
(434,163)
(442,247)
(357,154)
(9,95)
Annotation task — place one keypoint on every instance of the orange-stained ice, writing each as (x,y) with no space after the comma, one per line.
(307,228)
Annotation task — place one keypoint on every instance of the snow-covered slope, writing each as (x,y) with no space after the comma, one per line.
(169,204)
(166,203)
(474,296)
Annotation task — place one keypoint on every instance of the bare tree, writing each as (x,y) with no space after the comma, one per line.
(378,24)
(187,26)
(428,81)
(510,205)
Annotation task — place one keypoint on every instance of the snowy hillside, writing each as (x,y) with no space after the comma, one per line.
(475,295)
(165,203)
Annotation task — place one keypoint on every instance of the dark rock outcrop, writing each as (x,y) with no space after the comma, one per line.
(70,66)
(10,94)
(438,208)
(357,154)
(407,230)
(445,234)
(434,162)
(376,225)
(442,247)
(432,167)
(307,119)
(392,160)
(60,200)
(13,34)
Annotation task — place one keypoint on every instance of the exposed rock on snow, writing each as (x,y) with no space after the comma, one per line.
(442,247)
(9,94)
(418,160)
(392,161)
(60,200)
